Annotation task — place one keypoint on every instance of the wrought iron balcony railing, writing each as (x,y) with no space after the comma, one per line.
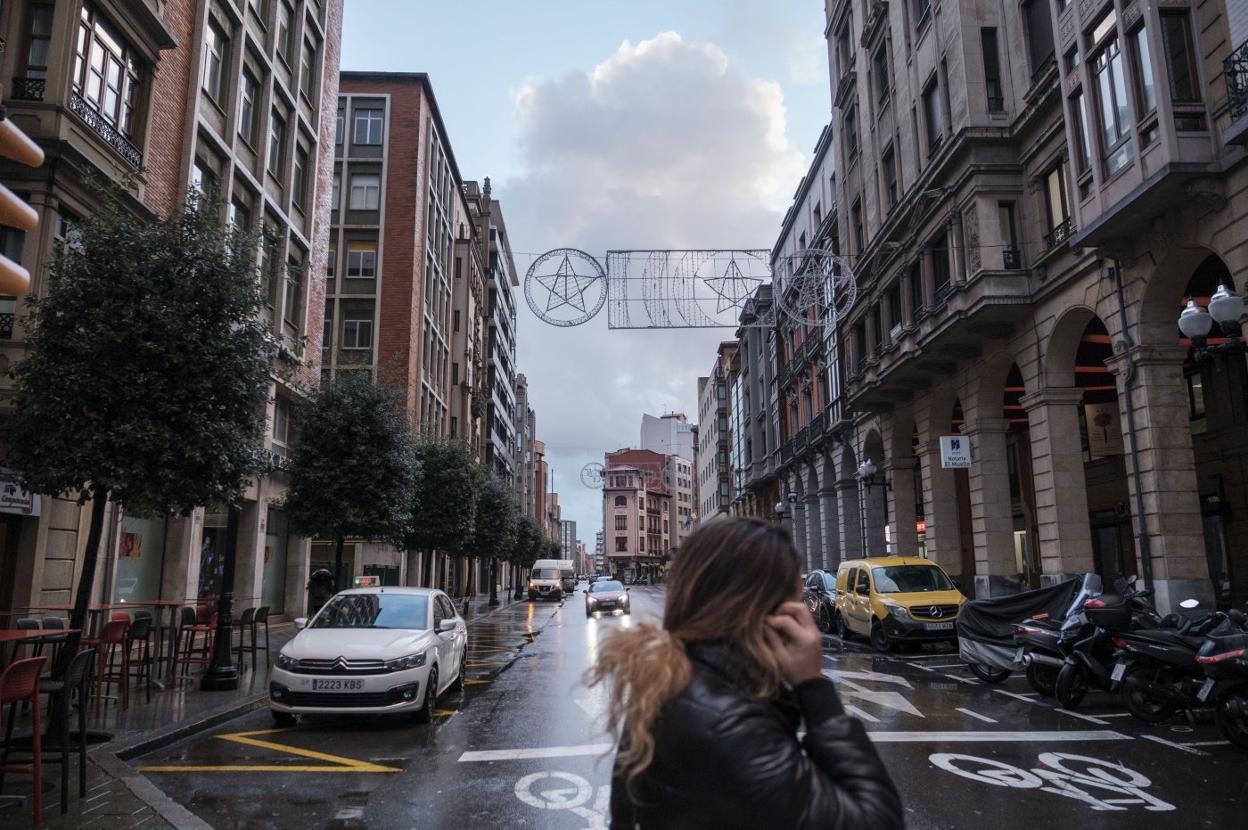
(818,426)
(942,293)
(80,107)
(27,89)
(1059,234)
(1236,69)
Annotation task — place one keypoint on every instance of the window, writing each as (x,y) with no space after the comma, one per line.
(368,126)
(932,116)
(277,143)
(238,216)
(889,165)
(1083,148)
(299,181)
(992,70)
(107,73)
(331,262)
(261,8)
(916,290)
(1145,88)
(201,178)
(921,8)
(357,333)
(1111,91)
(621,523)
(1009,239)
(621,544)
(248,89)
(894,305)
(365,192)
(214,60)
(307,69)
(361,260)
(336,192)
(340,126)
(1039,35)
(1057,211)
(285,29)
(855,218)
(939,250)
(281,426)
(851,132)
(879,74)
(40,41)
(1176,38)
(294,292)
(327,330)
(621,501)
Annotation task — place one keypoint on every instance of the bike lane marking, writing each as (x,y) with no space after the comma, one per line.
(333,763)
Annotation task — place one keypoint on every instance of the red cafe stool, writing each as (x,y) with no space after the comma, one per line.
(19,683)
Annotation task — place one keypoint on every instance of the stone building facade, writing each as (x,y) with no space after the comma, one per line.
(714,475)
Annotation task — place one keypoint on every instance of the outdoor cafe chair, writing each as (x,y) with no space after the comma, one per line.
(112,645)
(19,683)
(139,639)
(69,692)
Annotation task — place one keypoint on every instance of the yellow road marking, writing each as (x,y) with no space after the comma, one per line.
(445,713)
(472,681)
(334,763)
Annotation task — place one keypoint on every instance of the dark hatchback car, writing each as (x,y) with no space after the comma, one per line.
(819,593)
(606,596)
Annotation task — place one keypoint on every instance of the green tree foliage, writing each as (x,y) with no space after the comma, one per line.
(148,371)
(529,542)
(494,534)
(353,468)
(444,509)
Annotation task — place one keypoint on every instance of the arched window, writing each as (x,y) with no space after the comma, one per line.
(621,501)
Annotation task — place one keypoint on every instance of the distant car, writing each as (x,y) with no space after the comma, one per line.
(819,593)
(606,596)
(371,651)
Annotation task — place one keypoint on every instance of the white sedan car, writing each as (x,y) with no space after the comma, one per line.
(371,651)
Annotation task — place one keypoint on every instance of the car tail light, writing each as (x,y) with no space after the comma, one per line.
(1094,603)
(1218,658)
(1122,644)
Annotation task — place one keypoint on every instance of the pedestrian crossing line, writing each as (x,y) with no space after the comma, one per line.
(976,715)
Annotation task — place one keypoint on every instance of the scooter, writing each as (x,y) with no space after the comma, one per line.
(1037,639)
(1086,641)
(1224,657)
(1157,669)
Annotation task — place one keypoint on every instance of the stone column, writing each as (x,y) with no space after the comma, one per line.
(814,532)
(1061,489)
(182,544)
(992,515)
(901,500)
(798,518)
(875,500)
(249,555)
(1163,473)
(957,262)
(849,511)
(298,556)
(940,502)
(830,516)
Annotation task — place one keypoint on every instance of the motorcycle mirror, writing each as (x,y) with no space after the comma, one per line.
(1190,603)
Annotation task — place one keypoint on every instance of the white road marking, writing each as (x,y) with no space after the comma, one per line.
(997,737)
(984,718)
(536,752)
(1088,718)
(1209,743)
(889,700)
(1181,747)
(920,666)
(949,666)
(970,681)
(1115,715)
(1023,698)
(858,713)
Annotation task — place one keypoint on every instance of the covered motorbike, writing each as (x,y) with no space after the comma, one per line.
(985,627)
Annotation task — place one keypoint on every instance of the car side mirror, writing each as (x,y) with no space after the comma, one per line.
(446,625)
(301,623)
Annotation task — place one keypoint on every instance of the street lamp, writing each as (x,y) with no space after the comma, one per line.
(866,474)
(1225,309)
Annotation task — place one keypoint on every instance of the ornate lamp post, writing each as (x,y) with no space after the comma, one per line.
(1226,308)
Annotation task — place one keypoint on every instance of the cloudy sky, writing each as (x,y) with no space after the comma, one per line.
(639,124)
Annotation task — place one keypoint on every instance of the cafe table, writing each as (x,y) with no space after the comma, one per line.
(16,635)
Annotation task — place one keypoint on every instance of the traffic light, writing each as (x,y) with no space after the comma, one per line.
(14,213)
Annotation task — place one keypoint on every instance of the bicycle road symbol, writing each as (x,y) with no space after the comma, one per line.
(1071,776)
(565,792)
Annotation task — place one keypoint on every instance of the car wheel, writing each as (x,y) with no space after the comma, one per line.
(879,638)
(458,685)
(425,713)
(283,720)
(842,630)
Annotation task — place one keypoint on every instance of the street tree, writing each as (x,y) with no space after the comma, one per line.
(528,549)
(444,504)
(494,535)
(147,374)
(353,467)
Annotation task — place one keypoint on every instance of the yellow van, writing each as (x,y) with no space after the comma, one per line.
(892,599)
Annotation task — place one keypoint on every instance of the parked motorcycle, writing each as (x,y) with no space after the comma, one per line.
(1224,657)
(986,627)
(1085,640)
(1037,638)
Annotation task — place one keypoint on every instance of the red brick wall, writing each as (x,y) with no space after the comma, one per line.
(402,238)
(167,115)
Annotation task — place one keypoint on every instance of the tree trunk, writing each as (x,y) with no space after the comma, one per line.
(338,563)
(86,582)
(429,580)
(494,581)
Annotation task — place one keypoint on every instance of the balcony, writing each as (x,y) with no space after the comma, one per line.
(942,294)
(27,89)
(1236,69)
(786,453)
(801,441)
(93,119)
(1058,235)
(818,426)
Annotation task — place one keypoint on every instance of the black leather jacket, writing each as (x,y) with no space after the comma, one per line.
(723,760)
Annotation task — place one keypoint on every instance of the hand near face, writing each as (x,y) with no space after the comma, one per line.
(793,636)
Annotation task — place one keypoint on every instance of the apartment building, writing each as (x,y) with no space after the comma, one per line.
(470,329)
(678,475)
(162,98)
(714,474)
(636,513)
(567,538)
(755,417)
(1029,195)
(669,434)
(526,421)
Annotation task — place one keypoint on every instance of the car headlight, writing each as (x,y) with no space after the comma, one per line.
(897,611)
(532,584)
(411,661)
(285,661)
(592,601)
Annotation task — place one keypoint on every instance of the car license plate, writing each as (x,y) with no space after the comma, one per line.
(337,685)
(1120,669)
(1205,689)
(946,626)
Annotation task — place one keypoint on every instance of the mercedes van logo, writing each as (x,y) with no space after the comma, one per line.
(934,611)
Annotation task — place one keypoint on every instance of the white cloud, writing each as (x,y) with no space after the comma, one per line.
(665,144)
(806,60)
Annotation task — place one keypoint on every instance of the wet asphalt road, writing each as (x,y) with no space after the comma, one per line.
(523,747)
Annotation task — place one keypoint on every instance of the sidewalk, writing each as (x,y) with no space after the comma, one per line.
(118,796)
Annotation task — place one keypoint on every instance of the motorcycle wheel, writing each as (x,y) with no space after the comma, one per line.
(988,674)
(1232,717)
(1139,702)
(1042,678)
(1072,685)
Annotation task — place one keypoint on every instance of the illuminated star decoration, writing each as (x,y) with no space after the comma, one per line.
(733,287)
(566,287)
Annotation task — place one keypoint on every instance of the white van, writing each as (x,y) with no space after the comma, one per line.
(552,578)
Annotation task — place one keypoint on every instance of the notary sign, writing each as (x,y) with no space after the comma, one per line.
(13,499)
(955,451)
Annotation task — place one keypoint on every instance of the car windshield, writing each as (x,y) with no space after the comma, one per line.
(374,611)
(829,582)
(604,585)
(545,573)
(906,579)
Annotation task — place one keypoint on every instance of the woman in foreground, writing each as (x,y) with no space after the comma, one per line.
(706,709)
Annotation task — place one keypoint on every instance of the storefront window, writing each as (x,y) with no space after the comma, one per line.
(211,555)
(273,584)
(140,559)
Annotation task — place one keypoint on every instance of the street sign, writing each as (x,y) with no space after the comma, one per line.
(13,499)
(955,451)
